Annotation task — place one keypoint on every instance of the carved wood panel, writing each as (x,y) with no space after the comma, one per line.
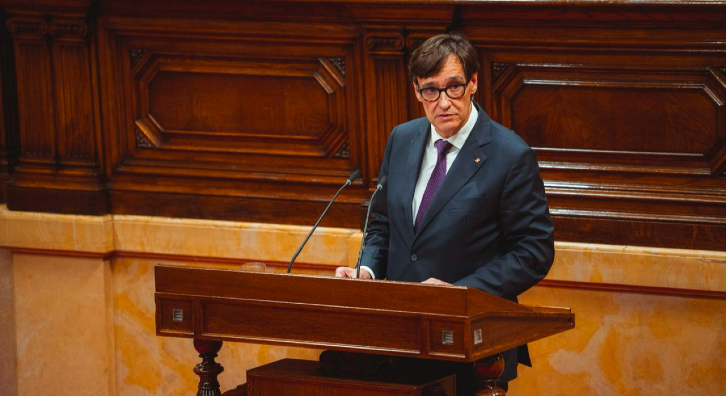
(59,168)
(387,76)
(242,106)
(669,121)
(35,93)
(239,116)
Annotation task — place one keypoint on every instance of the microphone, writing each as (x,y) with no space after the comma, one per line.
(379,187)
(355,175)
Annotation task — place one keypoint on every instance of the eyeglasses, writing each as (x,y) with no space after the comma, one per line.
(453,91)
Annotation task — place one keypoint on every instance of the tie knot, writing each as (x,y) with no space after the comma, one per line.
(442,146)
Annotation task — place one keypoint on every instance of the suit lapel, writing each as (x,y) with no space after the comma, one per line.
(413,166)
(463,168)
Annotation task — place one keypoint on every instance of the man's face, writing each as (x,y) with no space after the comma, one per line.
(446,114)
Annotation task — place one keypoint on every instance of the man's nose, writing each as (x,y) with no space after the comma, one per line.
(444,101)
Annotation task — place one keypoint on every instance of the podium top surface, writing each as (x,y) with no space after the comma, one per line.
(329,291)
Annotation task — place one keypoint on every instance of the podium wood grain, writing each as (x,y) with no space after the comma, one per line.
(391,318)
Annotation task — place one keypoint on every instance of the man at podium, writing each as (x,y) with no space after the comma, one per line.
(464,203)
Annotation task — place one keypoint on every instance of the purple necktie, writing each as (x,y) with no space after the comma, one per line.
(437,176)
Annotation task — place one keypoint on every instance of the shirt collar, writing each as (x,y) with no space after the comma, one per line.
(460,137)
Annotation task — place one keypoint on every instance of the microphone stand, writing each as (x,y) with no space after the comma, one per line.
(379,187)
(348,182)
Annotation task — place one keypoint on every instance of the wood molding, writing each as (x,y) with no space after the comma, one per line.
(27,26)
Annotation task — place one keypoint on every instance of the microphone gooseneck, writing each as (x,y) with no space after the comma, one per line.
(355,175)
(379,187)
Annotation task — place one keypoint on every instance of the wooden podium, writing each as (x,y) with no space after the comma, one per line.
(370,316)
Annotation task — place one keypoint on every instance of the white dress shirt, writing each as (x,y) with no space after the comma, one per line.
(429,162)
(431,155)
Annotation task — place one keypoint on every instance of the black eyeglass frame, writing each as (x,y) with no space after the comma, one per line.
(445,90)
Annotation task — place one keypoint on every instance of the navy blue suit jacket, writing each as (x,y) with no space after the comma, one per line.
(487,227)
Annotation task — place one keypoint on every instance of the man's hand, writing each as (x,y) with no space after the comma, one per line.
(347,272)
(434,281)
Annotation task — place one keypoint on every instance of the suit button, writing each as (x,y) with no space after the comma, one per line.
(414,257)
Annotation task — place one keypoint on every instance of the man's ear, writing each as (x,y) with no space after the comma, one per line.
(474,83)
(415,90)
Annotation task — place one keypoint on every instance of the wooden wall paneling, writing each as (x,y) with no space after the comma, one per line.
(4,165)
(59,169)
(385,90)
(76,97)
(257,110)
(218,116)
(35,91)
(715,87)
(626,117)
(392,31)
(9,138)
(73,91)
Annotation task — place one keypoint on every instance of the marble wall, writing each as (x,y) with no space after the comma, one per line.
(8,345)
(77,308)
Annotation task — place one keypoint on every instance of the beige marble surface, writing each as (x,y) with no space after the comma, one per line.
(211,239)
(61,311)
(8,379)
(640,266)
(628,344)
(49,231)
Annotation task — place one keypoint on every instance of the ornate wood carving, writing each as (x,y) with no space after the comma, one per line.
(68,29)
(27,26)
(413,41)
(343,151)
(135,54)
(339,62)
(390,43)
(142,141)
(497,70)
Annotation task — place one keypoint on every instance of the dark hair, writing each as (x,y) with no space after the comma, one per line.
(429,58)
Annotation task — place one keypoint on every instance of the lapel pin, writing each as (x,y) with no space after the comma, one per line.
(477,160)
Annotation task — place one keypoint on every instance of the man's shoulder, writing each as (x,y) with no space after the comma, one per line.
(412,127)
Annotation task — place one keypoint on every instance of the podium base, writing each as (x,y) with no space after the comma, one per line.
(292,377)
